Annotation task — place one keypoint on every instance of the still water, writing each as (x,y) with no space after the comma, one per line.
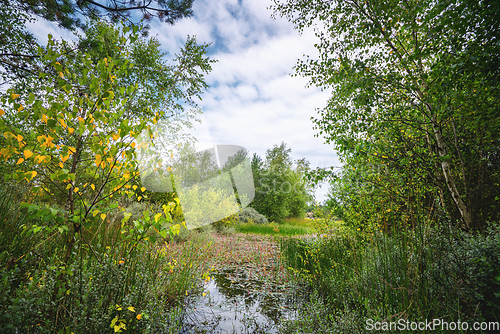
(237,303)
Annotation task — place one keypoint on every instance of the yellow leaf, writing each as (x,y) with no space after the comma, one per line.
(157,217)
(71,130)
(116,136)
(76,189)
(19,137)
(44,118)
(92,186)
(4,151)
(69,186)
(95,213)
(131,309)
(139,316)
(133,145)
(33,174)
(19,161)
(61,165)
(139,198)
(103,215)
(80,119)
(2,112)
(63,123)
(71,150)
(27,154)
(63,159)
(134,187)
(98,160)
(143,189)
(14,96)
(61,75)
(20,108)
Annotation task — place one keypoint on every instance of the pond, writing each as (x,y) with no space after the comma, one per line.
(234,302)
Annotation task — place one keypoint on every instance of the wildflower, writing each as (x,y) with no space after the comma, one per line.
(139,316)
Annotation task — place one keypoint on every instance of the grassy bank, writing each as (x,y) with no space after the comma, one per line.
(411,276)
(289,227)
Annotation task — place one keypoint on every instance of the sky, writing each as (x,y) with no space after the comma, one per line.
(253,100)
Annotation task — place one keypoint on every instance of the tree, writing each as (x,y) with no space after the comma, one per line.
(73,135)
(18,47)
(280,190)
(68,13)
(415,90)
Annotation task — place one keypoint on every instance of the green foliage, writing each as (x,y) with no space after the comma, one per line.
(414,106)
(107,277)
(198,199)
(424,274)
(72,257)
(73,138)
(274,229)
(280,190)
(68,13)
(18,46)
(317,317)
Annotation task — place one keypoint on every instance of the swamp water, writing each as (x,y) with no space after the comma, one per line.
(237,303)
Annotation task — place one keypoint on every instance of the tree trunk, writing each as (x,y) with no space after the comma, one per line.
(445,166)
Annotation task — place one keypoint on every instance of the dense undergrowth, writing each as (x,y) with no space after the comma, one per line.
(110,283)
(427,273)
(115,283)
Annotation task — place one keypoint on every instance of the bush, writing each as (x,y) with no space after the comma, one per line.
(122,281)
(250,215)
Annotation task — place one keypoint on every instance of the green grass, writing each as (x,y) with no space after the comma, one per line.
(285,229)
(299,222)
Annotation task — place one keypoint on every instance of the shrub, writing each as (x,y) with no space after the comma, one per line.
(250,215)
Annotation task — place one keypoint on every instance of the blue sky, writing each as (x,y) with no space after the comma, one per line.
(253,101)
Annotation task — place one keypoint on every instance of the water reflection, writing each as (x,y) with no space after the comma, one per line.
(237,303)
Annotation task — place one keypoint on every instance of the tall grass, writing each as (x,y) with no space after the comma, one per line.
(413,275)
(274,229)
